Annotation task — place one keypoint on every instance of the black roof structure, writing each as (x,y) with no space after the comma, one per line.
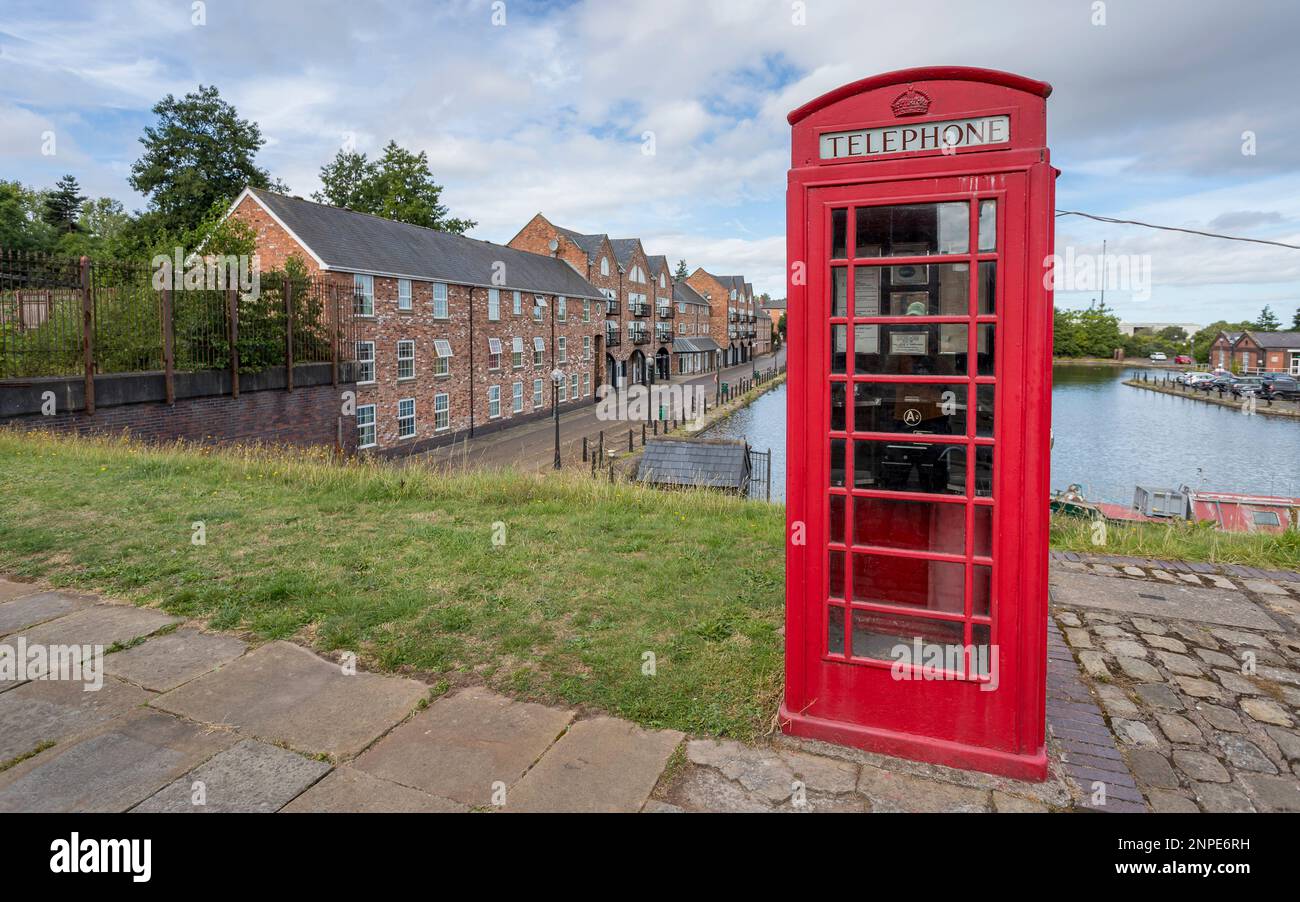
(701,463)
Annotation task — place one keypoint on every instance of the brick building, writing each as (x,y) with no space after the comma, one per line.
(455,336)
(731,300)
(1221,349)
(694,351)
(1269,352)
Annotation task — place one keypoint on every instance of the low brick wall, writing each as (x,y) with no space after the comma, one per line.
(264,412)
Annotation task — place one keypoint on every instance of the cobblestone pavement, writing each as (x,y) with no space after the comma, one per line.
(1167,694)
(1198,672)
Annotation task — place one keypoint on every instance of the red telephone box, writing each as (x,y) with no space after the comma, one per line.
(920,220)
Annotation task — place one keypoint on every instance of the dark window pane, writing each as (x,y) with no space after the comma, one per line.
(910,525)
(835,630)
(987,349)
(984,471)
(984,410)
(924,349)
(837,461)
(932,408)
(902,466)
(836,569)
(981,590)
(837,518)
(988,287)
(839,349)
(892,637)
(914,230)
(981,640)
(988,225)
(910,581)
(838,394)
(839,283)
(839,229)
(983,531)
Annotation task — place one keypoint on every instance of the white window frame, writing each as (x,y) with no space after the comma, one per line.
(586,347)
(586,311)
(363,359)
(363,294)
(517,398)
(408,345)
(441,361)
(406,421)
(494,401)
(561,350)
(494,353)
(441,412)
(517,353)
(539,398)
(562,392)
(403,294)
(604,266)
(519,303)
(573,386)
(539,304)
(561,309)
(441,304)
(539,351)
(366,421)
(494,304)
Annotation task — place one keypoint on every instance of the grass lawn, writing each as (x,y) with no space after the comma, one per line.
(399,565)
(1179,541)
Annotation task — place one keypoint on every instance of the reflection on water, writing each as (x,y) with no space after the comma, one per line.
(1110,437)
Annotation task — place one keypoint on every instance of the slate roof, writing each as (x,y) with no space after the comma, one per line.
(775,304)
(658,263)
(1276,339)
(589,243)
(624,248)
(358,242)
(685,294)
(704,463)
(694,344)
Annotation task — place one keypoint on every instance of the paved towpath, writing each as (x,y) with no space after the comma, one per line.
(1154,710)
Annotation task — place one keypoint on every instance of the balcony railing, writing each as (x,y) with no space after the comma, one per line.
(640,338)
(733,317)
(613,339)
(638,308)
(666,312)
(665,336)
(611,307)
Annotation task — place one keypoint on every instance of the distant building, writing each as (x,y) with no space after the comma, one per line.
(1155,328)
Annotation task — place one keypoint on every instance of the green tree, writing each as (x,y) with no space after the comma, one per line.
(1267,321)
(1295,320)
(681,274)
(199,153)
(1202,340)
(399,185)
(21,226)
(62,205)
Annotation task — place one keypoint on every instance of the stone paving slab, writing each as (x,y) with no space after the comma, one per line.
(1167,601)
(461,745)
(29,610)
(285,694)
(101,624)
(600,765)
(10,589)
(125,762)
(53,710)
(348,789)
(165,662)
(249,777)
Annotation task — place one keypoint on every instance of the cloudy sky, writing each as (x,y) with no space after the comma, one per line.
(547,110)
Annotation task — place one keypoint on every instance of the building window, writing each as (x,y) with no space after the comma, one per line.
(517,352)
(539,302)
(366,426)
(561,350)
(406,359)
(586,386)
(494,304)
(573,386)
(440,300)
(562,308)
(441,412)
(494,353)
(537,394)
(403,294)
(539,349)
(517,397)
(563,391)
(494,401)
(604,266)
(365,361)
(586,311)
(406,418)
(1265,518)
(586,347)
(442,357)
(363,295)
(663,283)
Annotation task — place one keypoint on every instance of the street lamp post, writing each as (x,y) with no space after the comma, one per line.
(557,378)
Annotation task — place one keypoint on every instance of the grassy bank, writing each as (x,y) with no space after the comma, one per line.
(399,564)
(1176,541)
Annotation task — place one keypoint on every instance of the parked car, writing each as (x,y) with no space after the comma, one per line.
(1158,357)
(1194,379)
(1247,385)
(1183,359)
(1280,385)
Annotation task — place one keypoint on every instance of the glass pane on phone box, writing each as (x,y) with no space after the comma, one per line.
(839,347)
(984,410)
(988,225)
(837,461)
(838,395)
(913,582)
(883,637)
(910,525)
(839,230)
(915,230)
(923,349)
(903,466)
(839,283)
(926,290)
(835,630)
(908,407)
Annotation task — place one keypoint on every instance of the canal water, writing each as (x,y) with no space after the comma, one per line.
(1110,437)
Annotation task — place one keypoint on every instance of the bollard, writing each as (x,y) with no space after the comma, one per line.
(643,435)
(584,449)
(629,441)
(656,427)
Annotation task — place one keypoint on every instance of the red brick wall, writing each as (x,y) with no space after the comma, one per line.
(306,416)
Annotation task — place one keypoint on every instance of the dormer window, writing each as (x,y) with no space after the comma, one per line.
(604,266)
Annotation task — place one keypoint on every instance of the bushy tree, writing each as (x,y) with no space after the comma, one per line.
(22,228)
(1202,340)
(1267,321)
(681,273)
(1092,332)
(62,205)
(399,185)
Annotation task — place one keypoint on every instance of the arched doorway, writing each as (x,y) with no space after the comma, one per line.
(663,364)
(636,368)
(611,371)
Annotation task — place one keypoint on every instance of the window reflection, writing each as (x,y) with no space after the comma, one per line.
(921,349)
(914,230)
(902,466)
(927,407)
